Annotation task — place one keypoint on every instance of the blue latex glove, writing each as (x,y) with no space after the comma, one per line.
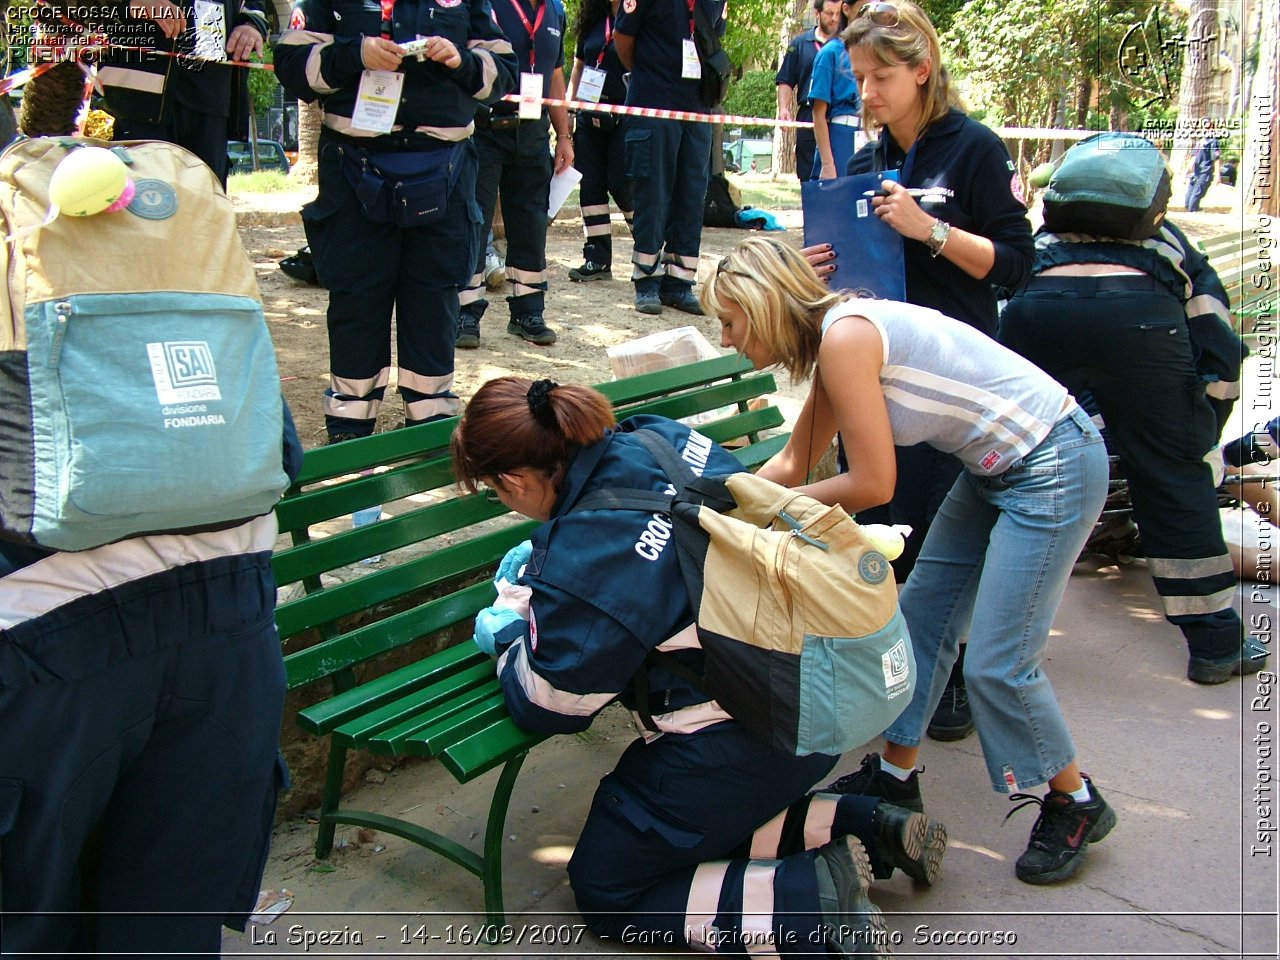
(516,558)
(498,628)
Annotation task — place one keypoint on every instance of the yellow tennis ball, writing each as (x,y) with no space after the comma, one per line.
(888,540)
(87,181)
(1041,175)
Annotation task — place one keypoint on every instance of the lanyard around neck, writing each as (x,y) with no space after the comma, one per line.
(608,38)
(531,29)
(388,12)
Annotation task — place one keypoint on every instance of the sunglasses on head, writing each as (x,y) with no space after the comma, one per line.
(881,14)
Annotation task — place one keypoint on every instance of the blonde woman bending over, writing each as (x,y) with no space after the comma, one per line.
(996,560)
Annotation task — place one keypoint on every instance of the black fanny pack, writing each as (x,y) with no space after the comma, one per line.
(409,189)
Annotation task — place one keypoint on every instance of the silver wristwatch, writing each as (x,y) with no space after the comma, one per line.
(937,238)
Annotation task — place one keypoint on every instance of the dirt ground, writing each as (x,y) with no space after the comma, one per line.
(589,317)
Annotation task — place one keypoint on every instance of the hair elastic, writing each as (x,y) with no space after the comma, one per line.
(539,399)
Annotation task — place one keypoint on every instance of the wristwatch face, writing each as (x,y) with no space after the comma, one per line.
(939,232)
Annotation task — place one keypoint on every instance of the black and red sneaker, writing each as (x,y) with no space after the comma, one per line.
(1061,836)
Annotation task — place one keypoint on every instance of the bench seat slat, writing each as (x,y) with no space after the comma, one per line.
(659,383)
(757,454)
(432,734)
(487,748)
(444,696)
(322,717)
(339,459)
(709,398)
(741,425)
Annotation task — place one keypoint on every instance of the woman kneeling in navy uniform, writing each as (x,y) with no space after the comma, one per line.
(702,834)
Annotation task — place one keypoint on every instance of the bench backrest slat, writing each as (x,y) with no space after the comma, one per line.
(384,586)
(390,533)
(350,649)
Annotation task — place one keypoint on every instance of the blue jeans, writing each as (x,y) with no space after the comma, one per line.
(995,564)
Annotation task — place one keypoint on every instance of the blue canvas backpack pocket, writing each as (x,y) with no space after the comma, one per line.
(150,412)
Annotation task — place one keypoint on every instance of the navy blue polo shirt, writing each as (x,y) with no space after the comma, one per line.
(660,28)
(548,45)
(589,52)
(797,68)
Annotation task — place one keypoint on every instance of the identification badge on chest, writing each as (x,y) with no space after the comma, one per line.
(691,66)
(377,101)
(211,30)
(530,96)
(591,85)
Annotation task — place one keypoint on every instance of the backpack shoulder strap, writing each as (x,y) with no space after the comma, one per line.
(646,501)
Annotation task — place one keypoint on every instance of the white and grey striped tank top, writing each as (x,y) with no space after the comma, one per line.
(956,389)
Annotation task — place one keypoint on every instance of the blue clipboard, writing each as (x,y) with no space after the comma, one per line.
(868,250)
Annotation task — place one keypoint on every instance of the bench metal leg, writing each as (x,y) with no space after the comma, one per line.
(493,835)
(332,796)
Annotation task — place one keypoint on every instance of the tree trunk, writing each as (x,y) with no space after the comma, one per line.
(784,138)
(1198,60)
(1258,180)
(310,119)
(1084,94)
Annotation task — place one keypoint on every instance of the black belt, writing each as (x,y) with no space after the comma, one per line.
(1086,285)
(500,120)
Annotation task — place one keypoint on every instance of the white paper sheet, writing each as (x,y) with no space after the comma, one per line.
(561,185)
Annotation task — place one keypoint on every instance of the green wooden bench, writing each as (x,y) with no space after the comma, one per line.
(440,548)
(1249,270)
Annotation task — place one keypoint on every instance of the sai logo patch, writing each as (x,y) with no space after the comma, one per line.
(183,371)
(896,664)
(873,567)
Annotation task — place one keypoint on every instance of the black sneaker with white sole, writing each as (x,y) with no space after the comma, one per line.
(591,271)
(1062,833)
(533,328)
(870,781)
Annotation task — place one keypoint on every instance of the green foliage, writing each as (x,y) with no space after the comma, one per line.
(1026,61)
(570,36)
(753,95)
(755,32)
(263,84)
(260,181)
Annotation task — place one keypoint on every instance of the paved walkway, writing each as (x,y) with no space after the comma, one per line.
(1191,869)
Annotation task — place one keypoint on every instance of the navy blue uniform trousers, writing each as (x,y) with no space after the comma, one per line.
(599,155)
(516,167)
(670,164)
(719,802)
(139,763)
(1124,339)
(373,270)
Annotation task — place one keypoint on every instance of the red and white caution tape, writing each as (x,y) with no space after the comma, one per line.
(657,112)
